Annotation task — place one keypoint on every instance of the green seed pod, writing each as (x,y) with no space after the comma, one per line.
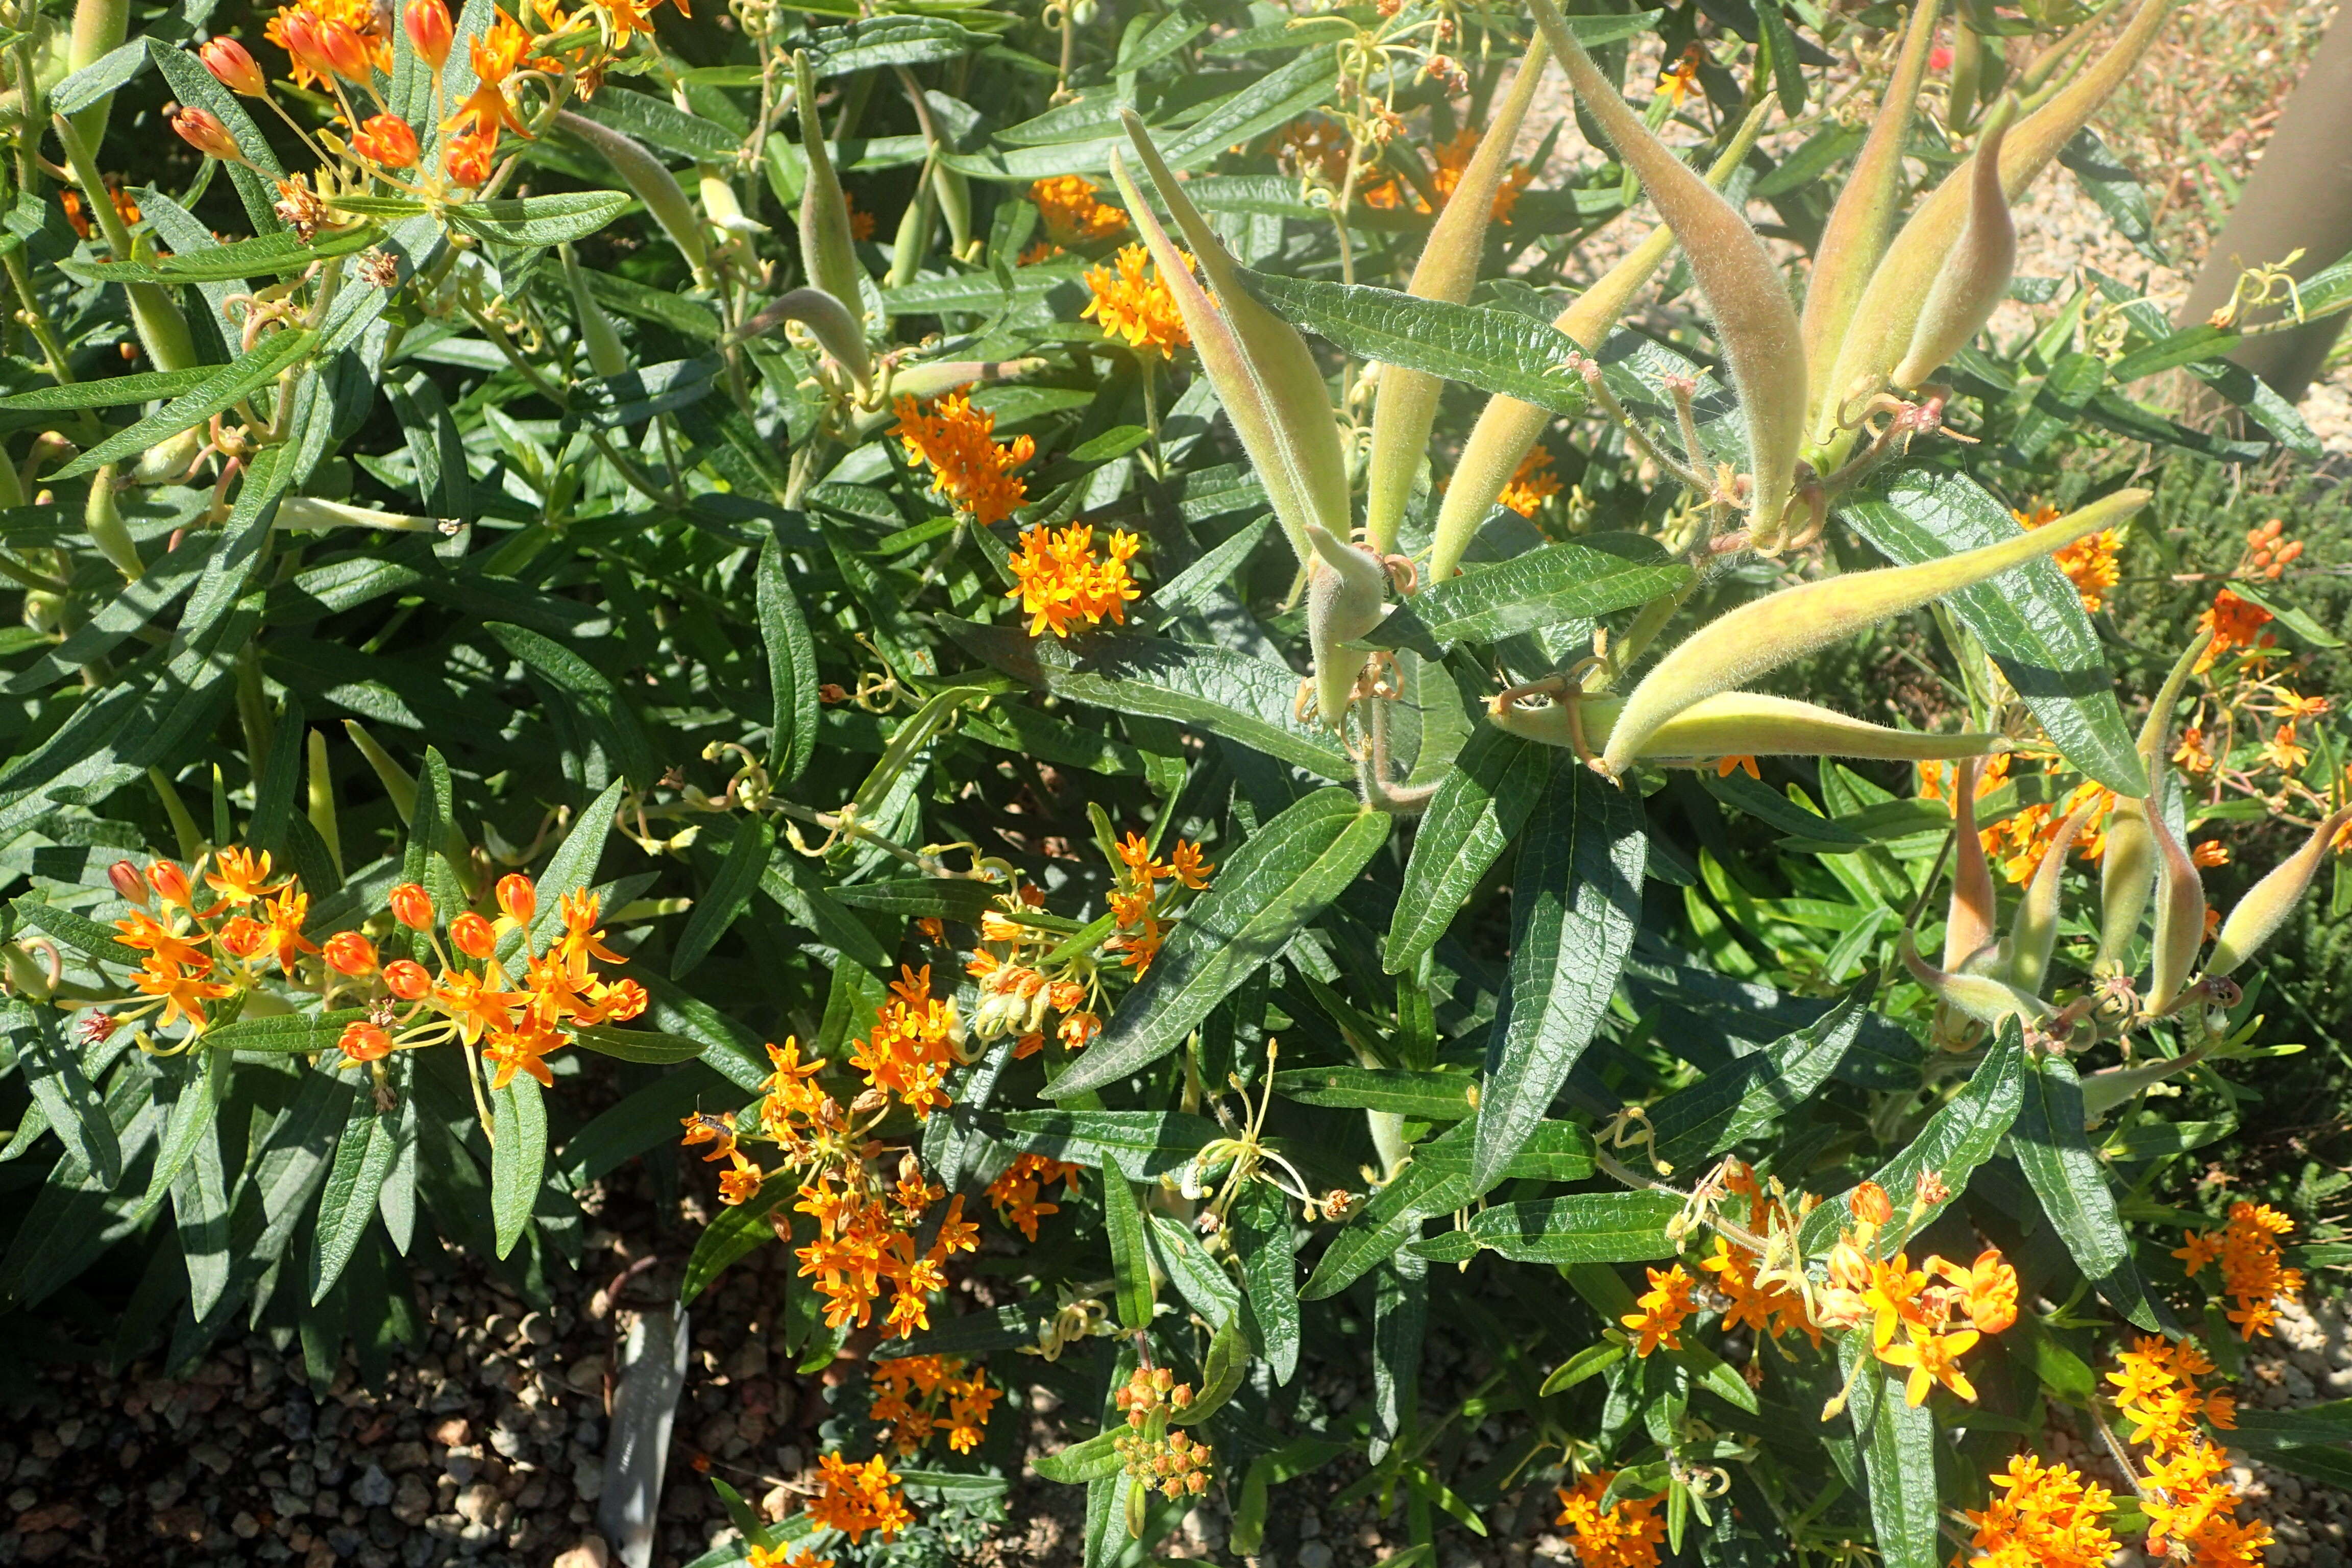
(925,382)
(2128,869)
(1733,649)
(1346,594)
(828,254)
(652,182)
(1975,275)
(1969,922)
(833,327)
(1889,310)
(100,26)
(1855,235)
(1740,724)
(605,355)
(1448,268)
(1507,429)
(103,519)
(913,238)
(1978,996)
(2265,909)
(2033,933)
(2179,914)
(953,191)
(1262,369)
(300,513)
(1753,318)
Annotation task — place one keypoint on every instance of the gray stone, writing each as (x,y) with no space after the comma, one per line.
(373,1489)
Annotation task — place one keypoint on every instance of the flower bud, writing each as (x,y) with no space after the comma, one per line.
(1870,1203)
(1735,648)
(467,160)
(2258,915)
(473,935)
(232,66)
(364,1043)
(625,1000)
(387,140)
(124,875)
(411,906)
(342,49)
(518,899)
(170,884)
(406,978)
(429,32)
(2179,914)
(243,936)
(349,952)
(200,129)
(1347,593)
(1975,277)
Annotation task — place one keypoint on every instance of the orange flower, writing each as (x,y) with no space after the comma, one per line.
(1626,1534)
(386,138)
(349,952)
(1661,1310)
(467,160)
(518,898)
(2089,563)
(474,936)
(1743,763)
(406,980)
(1133,302)
(364,1043)
(1072,214)
(2043,1516)
(2234,623)
(1933,1357)
(412,907)
(1060,581)
(967,464)
(1531,483)
(232,66)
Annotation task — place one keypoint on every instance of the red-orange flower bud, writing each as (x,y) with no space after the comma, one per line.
(428,22)
(406,978)
(365,1042)
(243,936)
(473,935)
(170,884)
(125,878)
(202,131)
(624,1001)
(349,952)
(467,159)
(518,899)
(343,50)
(386,138)
(297,31)
(232,66)
(1871,1204)
(411,906)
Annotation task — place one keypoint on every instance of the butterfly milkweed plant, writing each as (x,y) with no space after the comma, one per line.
(1376,752)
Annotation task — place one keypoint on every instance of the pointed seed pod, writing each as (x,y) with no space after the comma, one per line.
(649,179)
(1968,921)
(102,520)
(1448,268)
(2265,909)
(2033,933)
(1508,429)
(605,355)
(1262,369)
(1735,648)
(1744,294)
(1855,235)
(2179,914)
(828,252)
(1347,593)
(1978,996)
(830,323)
(1975,277)
(924,382)
(2127,867)
(1741,723)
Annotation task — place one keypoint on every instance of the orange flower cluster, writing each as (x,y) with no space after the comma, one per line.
(2252,1268)
(858,1497)
(918,1395)
(320,32)
(2190,1505)
(1074,215)
(194,956)
(911,1046)
(2089,563)
(864,1241)
(1531,483)
(1133,302)
(2267,555)
(2235,623)
(1626,1534)
(1061,582)
(1141,912)
(1015,1194)
(1939,1321)
(1661,1311)
(742,1180)
(969,465)
(1771,1309)
(2045,1516)
(784,1557)
(125,207)
(1453,156)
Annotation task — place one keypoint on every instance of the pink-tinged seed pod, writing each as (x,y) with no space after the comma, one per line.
(2258,915)
(429,32)
(2033,934)
(1978,996)
(202,131)
(1975,277)
(1967,922)
(2179,914)
(232,67)
(1347,593)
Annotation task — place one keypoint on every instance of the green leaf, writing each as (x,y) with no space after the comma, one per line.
(1142,1146)
(142,386)
(1431,1096)
(216,394)
(1584,1228)
(1266,1245)
(100,80)
(193,1111)
(2030,618)
(279,253)
(1779,44)
(1575,903)
(647,1045)
(1899,1457)
(1733,1105)
(738,1231)
(1587,1363)
(364,1158)
(591,691)
(1130,1253)
(306,1033)
(791,665)
(1493,350)
(1548,586)
(1092,1461)
(2300,622)
(730,891)
(2108,182)
(556,219)
(658,122)
(1281,878)
(1250,701)
(1738,791)
(2052,1148)
(874,42)
(74,1109)
(1484,800)
(1199,1279)
(518,1156)
(77,932)
(2330,1422)
(958,899)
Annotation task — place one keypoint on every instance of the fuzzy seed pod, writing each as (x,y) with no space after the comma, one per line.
(652,182)
(2179,914)
(1346,594)
(1447,269)
(833,327)
(103,519)
(1975,275)
(2258,915)
(1978,996)
(1735,648)
(2128,869)
(1754,321)
(2033,933)
(829,253)
(924,382)
(100,26)
(605,355)
(1740,724)
(1262,369)
(1507,429)
(1968,923)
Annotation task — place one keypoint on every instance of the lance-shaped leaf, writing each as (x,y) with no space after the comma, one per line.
(2256,917)
(1883,321)
(1346,592)
(1855,235)
(1263,371)
(1754,321)
(1734,724)
(1975,275)
(1507,426)
(1448,268)
(1735,648)
(2056,1157)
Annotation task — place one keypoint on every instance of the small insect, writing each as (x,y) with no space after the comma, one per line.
(380,19)
(717,1131)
